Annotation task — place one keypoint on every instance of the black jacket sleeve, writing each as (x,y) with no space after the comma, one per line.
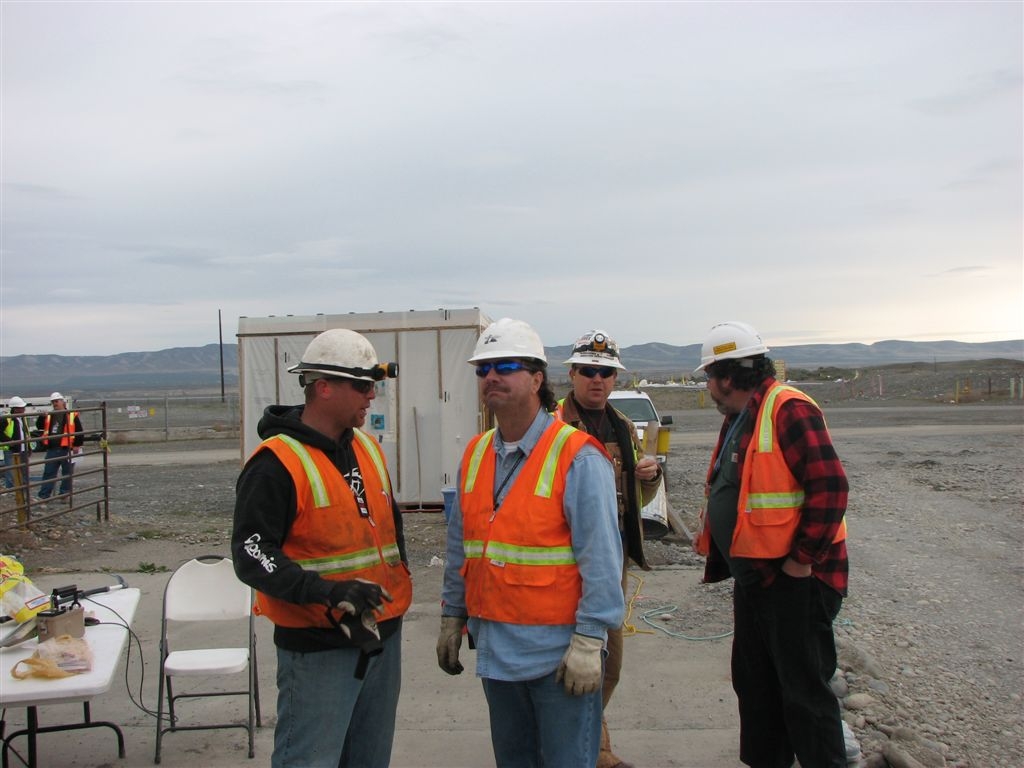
(265,507)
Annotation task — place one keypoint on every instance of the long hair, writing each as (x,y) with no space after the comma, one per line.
(548,401)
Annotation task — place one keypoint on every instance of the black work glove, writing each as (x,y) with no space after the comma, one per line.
(358,596)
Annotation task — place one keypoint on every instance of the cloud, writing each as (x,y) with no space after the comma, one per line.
(978,90)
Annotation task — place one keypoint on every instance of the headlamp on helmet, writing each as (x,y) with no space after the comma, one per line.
(341,353)
(595,348)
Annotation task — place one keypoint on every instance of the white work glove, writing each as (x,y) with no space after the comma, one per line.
(580,668)
(448,643)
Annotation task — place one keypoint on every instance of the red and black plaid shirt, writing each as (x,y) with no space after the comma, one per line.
(808,451)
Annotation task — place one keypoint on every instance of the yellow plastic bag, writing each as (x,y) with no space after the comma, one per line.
(19,597)
(57,657)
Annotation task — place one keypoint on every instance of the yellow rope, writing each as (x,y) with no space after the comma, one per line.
(627,627)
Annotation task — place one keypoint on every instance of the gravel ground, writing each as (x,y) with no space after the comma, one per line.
(930,636)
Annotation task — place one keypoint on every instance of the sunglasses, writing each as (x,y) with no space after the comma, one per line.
(360,386)
(590,371)
(501,367)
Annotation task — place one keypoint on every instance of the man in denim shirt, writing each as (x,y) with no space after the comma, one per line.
(534,562)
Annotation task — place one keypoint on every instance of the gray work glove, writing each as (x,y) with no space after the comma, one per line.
(580,668)
(358,596)
(448,643)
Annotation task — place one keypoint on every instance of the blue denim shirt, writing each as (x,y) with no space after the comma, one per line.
(525,651)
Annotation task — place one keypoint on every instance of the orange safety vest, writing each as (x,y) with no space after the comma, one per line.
(67,439)
(520,567)
(768,510)
(329,535)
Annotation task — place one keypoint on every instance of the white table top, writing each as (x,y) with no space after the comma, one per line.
(106,640)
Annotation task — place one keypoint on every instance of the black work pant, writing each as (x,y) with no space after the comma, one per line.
(783,656)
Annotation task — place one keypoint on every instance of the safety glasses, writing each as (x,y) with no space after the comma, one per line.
(359,385)
(590,371)
(502,367)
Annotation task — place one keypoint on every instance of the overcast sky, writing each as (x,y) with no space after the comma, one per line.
(828,172)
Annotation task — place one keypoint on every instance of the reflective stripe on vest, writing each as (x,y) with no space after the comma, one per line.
(67,437)
(520,567)
(329,535)
(546,477)
(769,504)
(765,439)
(770,497)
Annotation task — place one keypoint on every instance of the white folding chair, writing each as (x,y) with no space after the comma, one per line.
(206,589)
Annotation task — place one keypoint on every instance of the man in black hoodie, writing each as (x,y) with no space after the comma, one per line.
(318,534)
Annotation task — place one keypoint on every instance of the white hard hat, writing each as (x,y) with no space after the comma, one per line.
(595,348)
(15,402)
(729,341)
(56,396)
(508,338)
(344,354)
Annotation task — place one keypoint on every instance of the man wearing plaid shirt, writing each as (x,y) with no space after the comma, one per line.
(774,520)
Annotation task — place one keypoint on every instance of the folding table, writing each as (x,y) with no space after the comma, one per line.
(107,640)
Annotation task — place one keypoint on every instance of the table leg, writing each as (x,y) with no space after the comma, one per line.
(32,730)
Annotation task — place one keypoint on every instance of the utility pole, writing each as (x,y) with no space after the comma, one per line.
(220,336)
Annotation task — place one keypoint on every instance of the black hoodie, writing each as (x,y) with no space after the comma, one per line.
(265,507)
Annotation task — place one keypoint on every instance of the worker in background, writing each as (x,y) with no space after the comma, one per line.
(61,436)
(593,370)
(318,533)
(534,562)
(14,445)
(774,520)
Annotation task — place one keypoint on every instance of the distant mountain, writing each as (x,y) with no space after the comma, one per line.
(655,357)
(169,369)
(192,368)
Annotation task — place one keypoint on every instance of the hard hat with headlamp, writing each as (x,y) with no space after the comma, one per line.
(508,338)
(595,348)
(730,341)
(340,353)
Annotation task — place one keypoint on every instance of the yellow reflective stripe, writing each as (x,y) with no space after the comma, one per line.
(474,461)
(473,548)
(353,561)
(766,425)
(378,462)
(781,500)
(316,482)
(518,555)
(546,480)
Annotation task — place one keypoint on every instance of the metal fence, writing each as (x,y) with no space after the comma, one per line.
(87,486)
(166,417)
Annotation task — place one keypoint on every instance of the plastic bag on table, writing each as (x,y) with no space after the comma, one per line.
(57,657)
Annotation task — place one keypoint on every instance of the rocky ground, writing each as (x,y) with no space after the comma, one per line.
(931,671)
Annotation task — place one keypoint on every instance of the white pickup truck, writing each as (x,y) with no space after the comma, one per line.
(638,408)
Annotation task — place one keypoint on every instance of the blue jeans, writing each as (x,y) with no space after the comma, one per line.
(535,724)
(9,470)
(326,718)
(56,459)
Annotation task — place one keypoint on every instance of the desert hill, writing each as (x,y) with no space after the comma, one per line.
(191,368)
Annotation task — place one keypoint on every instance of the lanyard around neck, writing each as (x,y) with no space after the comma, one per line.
(508,476)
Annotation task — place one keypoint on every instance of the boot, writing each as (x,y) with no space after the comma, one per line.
(606,758)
